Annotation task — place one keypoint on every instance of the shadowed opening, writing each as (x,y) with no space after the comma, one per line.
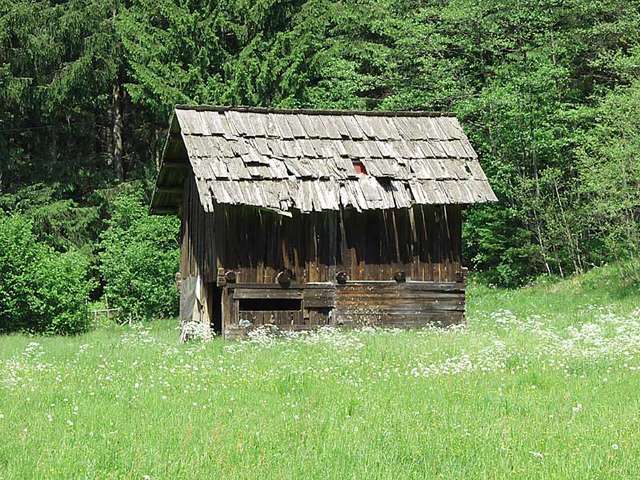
(269,304)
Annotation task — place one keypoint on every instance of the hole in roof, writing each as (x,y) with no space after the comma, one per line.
(358,166)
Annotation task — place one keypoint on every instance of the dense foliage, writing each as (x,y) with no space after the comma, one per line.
(547,90)
(138,260)
(41,290)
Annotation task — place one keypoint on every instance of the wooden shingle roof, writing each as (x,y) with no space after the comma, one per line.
(306,159)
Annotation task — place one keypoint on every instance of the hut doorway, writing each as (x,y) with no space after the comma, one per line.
(215,307)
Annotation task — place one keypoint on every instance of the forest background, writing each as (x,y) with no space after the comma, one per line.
(548,91)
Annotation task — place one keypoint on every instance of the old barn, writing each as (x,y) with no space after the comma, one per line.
(302,218)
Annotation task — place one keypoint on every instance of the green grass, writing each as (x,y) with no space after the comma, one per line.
(543,383)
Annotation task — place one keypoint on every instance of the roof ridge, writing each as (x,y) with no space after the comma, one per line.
(310,111)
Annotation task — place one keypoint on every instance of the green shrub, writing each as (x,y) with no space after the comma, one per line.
(41,290)
(139,258)
(62,290)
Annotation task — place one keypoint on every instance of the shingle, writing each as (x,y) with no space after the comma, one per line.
(322,148)
(371,149)
(255,124)
(468,148)
(379,128)
(282,125)
(401,197)
(308,168)
(221,147)
(392,130)
(409,129)
(252,157)
(318,168)
(476,171)
(341,127)
(310,125)
(449,149)
(200,169)
(452,128)
(353,149)
(239,147)
(258,171)
(270,125)
(307,148)
(237,169)
(239,123)
(261,146)
(366,126)
(357,194)
(291,149)
(436,148)
(429,128)
(278,168)
(218,168)
(190,122)
(213,120)
(355,132)
(204,194)
(234,192)
(385,149)
(440,169)
(296,126)
(372,167)
(345,166)
(330,130)
(339,147)
(459,149)
(197,146)
(274,145)
(230,131)
(421,168)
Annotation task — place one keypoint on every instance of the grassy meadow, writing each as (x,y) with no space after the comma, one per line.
(542,383)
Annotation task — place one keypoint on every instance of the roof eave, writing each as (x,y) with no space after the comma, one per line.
(158,207)
(295,111)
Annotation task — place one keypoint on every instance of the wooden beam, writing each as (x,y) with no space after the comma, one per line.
(164,210)
(178,165)
(170,190)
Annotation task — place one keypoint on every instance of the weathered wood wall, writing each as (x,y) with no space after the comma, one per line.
(198,249)
(197,258)
(423,241)
(360,303)
(399,304)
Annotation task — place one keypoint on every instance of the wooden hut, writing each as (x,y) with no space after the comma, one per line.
(302,218)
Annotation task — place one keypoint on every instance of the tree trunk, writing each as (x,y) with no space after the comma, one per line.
(157,146)
(118,127)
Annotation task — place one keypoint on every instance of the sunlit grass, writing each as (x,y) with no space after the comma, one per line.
(541,384)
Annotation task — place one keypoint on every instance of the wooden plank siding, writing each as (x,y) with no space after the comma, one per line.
(371,245)
(394,304)
(423,241)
